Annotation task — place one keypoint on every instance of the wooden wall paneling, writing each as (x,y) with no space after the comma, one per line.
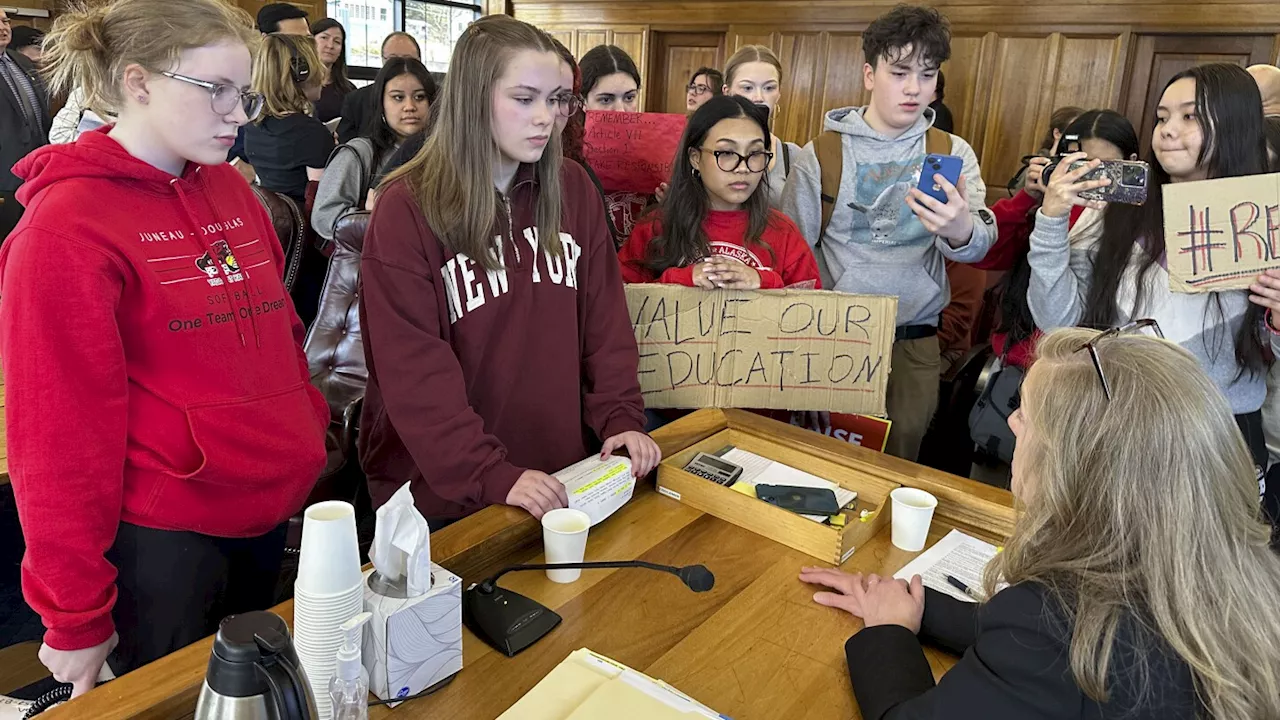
(673,58)
(587,39)
(844,86)
(1017,104)
(635,40)
(965,74)
(1088,72)
(739,36)
(1157,58)
(804,74)
(566,36)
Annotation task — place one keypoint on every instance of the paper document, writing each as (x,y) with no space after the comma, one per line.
(332,125)
(598,487)
(961,556)
(757,470)
(588,686)
(14,709)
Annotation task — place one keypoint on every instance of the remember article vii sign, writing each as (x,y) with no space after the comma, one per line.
(773,349)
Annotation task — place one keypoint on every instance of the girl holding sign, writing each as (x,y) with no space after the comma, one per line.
(716,229)
(1109,269)
(611,83)
(496,327)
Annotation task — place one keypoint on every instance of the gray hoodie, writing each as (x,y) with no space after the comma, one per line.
(874,243)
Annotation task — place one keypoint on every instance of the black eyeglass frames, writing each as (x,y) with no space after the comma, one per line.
(728,160)
(1137,326)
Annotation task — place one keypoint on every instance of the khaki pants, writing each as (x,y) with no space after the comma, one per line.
(912,396)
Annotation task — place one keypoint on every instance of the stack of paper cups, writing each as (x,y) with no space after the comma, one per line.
(328,592)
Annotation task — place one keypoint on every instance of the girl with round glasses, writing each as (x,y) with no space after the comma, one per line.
(716,229)
(147,341)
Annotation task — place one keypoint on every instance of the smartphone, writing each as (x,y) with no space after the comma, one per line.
(948,166)
(1129,180)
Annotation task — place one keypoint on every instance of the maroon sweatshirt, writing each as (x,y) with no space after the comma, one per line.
(475,377)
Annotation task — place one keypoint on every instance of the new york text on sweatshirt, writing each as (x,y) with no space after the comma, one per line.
(475,375)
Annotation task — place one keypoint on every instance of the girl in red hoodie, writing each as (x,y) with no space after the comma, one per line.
(715,228)
(161,423)
(495,326)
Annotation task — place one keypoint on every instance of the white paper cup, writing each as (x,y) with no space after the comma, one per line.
(330,556)
(912,515)
(564,539)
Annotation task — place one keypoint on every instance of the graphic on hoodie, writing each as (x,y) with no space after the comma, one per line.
(225,259)
(881,208)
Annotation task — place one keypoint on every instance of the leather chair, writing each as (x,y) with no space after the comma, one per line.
(335,354)
(290,226)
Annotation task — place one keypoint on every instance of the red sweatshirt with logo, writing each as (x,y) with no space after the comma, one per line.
(152,366)
(476,376)
(784,260)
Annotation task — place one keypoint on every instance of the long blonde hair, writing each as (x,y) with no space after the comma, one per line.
(273,74)
(749,54)
(1145,509)
(90,45)
(452,176)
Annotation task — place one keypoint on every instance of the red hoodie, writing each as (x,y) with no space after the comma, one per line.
(152,367)
(476,376)
(786,262)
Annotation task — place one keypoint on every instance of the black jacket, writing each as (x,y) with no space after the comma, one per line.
(355,108)
(17,136)
(1015,666)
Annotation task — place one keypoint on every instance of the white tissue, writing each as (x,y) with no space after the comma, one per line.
(402,543)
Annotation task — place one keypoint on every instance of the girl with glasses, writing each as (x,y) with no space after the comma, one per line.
(161,422)
(1109,268)
(716,229)
(495,323)
(705,84)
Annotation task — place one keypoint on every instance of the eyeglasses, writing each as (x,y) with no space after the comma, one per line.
(1136,326)
(698,89)
(728,160)
(224,98)
(567,104)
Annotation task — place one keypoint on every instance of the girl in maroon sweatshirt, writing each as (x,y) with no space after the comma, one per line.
(161,423)
(716,229)
(495,326)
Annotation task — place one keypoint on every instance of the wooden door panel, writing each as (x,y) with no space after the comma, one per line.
(1087,73)
(804,73)
(588,39)
(844,86)
(963,72)
(674,58)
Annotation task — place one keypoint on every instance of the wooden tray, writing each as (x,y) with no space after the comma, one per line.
(829,544)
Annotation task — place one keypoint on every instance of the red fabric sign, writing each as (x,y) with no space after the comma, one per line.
(632,152)
(864,430)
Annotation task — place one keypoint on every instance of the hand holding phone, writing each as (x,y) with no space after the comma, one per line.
(948,166)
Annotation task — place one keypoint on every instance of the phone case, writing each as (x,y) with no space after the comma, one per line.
(1123,188)
(804,500)
(948,166)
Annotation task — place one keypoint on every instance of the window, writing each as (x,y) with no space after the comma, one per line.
(435,24)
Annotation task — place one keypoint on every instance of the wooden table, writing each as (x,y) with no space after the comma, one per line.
(754,647)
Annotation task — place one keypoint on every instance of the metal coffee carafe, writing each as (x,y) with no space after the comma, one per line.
(254,673)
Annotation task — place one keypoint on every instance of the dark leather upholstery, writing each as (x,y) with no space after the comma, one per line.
(335,354)
(290,226)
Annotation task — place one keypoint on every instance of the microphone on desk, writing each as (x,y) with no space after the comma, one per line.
(510,622)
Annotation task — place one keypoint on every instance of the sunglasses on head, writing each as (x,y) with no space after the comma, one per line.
(1137,326)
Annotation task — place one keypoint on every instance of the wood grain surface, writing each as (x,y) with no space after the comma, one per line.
(754,647)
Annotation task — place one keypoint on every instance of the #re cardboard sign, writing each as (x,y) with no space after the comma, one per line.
(773,349)
(1221,234)
(632,152)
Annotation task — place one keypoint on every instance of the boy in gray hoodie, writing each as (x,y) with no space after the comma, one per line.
(885,237)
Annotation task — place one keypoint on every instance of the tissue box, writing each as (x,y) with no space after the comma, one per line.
(413,643)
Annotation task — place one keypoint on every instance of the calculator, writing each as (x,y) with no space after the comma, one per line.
(717,470)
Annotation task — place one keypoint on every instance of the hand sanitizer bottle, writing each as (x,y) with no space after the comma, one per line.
(349,687)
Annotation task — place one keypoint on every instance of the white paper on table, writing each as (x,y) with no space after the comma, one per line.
(598,487)
(13,708)
(961,556)
(758,470)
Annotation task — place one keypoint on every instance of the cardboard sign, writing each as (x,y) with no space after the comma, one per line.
(1221,234)
(632,152)
(779,349)
(861,430)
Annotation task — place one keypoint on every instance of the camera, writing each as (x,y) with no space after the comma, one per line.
(1129,178)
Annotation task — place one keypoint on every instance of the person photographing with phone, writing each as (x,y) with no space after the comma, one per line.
(1108,269)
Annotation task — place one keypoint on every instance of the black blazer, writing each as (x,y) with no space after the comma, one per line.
(1015,666)
(355,108)
(17,136)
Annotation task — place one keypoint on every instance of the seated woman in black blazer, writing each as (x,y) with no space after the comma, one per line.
(1140,581)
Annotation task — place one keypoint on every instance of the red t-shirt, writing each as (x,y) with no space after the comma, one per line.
(784,259)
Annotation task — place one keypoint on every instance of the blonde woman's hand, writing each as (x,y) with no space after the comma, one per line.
(877,600)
